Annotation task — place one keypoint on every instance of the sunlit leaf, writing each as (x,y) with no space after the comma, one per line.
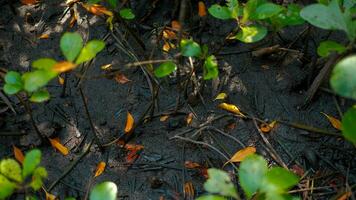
(60,80)
(278,180)
(127,13)
(18,154)
(11,169)
(163,118)
(105,190)
(6,187)
(348,125)
(210,68)
(334,122)
(37,178)
(343,79)
(60,147)
(231,108)
(221,96)
(251,174)
(100,169)
(189,119)
(165,69)
(219,182)
(242,154)
(37,79)
(97,9)
(71,44)
(201,9)
(44,36)
(40,96)
(129,123)
(32,160)
(251,33)
(90,50)
(64,66)
(169,34)
(189,48)
(121,78)
(327,47)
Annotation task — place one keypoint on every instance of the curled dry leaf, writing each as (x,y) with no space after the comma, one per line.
(18,154)
(241,154)
(167,46)
(29,2)
(221,96)
(266,128)
(100,169)
(74,18)
(106,67)
(129,123)
(44,36)
(134,147)
(97,9)
(60,80)
(201,9)
(190,118)
(191,165)
(49,196)
(176,25)
(231,108)
(168,34)
(189,190)
(122,79)
(334,122)
(163,118)
(64,66)
(57,145)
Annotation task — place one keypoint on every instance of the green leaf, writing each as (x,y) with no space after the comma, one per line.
(70,198)
(37,79)
(327,47)
(349,125)
(250,8)
(220,12)
(113,3)
(233,6)
(127,13)
(11,89)
(90,50)
(289,17)
(189,48)
(11,169)
(44,63)
(40,96)
(278,180)
(6,187)
(165,69)
(211,197)
(343,79)
(37,178)
(210,68)
(267,10)
(71,44)
(93,1)
(251,174)
(31,161)
(105,190)
(13,77)
(219,182)
(251,33)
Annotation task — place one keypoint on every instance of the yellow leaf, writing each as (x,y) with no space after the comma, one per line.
(100,169)
(266,128)
(106,67)
(129,123)
(109,21)
(64,66)
(57,145)
(168,34)
(43,36)
(189,118)
(163,118)
(97,9)
(242,154)
(201,9)
(18,154)
(221,96)
(334,122)
(231,108)
(50,196)
(60,80)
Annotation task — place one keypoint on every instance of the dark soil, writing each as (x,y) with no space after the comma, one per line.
(262,87)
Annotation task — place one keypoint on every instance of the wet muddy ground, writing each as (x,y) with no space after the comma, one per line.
(268,88)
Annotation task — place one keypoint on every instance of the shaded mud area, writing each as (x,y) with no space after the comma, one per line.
(264,88)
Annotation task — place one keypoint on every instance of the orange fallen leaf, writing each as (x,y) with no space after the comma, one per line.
(57,145)
(50,196)
(44,36)
(334,122)
(60,80)
(167,46)
(345,196)
(297,170)
(231,108)
(97,9)
(64,66)
(163,118)
(168,34)
(189,118)
(201,9)
(241,154)
(29,2)
(74,18)
(132,156)
(18,154)
(230,126)
(134,147)
(189,190)
(191,165)
(100,169)
(176,25)
(122,79)
(129,123)
(266,128)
